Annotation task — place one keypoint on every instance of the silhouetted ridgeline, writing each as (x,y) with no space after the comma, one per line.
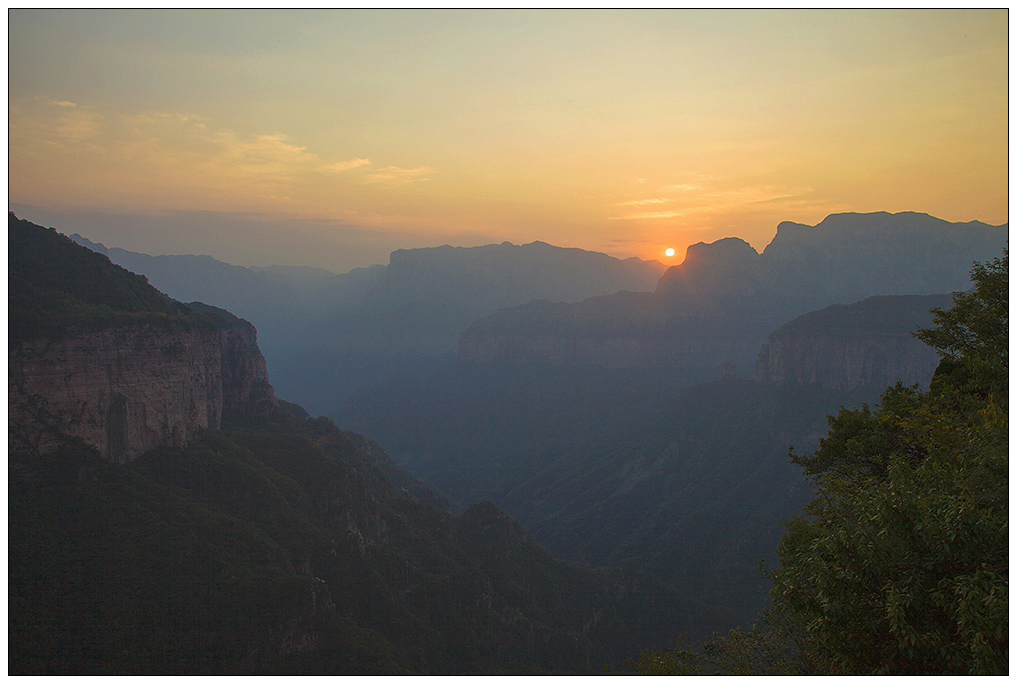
(581,420)
(326,335)
(721,303)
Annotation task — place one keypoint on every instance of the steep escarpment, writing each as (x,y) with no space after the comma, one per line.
(719,305)
(844,348)
(128,389)
(96,353)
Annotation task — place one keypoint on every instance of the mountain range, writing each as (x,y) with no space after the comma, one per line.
(721,303)
(171,513)
(326,335)
(645,467)
(617,429)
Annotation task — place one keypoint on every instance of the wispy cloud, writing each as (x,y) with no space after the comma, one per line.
(183,159)
(76,126)
(644,202)
(396,175)
(700,200)
(668,189)
(63,103)
(340,166)
(157,117)
(652,215)
(270,157)
(263,151)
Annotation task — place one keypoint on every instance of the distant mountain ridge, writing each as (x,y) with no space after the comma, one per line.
(326,335)
(425,298)
(722,301)
(584,420)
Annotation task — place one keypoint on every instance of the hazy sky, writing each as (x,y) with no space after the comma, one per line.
(328,138)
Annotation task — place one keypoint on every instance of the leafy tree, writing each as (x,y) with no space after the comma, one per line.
(973,336)
(772,646)
(902,565)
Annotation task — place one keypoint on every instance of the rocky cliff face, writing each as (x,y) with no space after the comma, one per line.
(868,344)
(845,364)
(96,352)
(129,388)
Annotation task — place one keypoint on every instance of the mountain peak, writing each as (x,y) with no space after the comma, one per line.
(711,267)
(726,249)
(903,231)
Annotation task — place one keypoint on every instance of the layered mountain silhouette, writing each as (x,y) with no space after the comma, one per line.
(169,516)
(721,303)
(589,422)
(612,423)
(641,467)
(325,335)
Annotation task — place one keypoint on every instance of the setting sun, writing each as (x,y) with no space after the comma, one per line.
(669,251)
(421,129)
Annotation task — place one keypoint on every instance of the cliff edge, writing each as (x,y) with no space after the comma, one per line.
(96,353)
(869,344)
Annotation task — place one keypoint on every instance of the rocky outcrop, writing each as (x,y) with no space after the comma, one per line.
(865,345)
(129,388)
(726,270)
(846,364)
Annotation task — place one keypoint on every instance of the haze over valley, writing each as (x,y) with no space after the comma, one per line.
(508,342)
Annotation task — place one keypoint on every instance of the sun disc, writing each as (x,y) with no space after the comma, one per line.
(669,251)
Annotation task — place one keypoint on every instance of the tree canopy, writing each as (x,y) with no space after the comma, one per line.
(901,563)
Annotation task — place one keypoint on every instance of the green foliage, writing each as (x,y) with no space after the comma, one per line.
(54,283)
(772,647)
(679,661)
(901,566)
(973,335)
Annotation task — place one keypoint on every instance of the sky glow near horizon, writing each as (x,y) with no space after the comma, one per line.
(330,138)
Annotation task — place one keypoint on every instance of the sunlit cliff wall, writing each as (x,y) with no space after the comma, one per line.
(867,344)
(128,389)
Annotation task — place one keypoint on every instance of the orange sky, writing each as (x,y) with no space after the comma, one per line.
(292,137)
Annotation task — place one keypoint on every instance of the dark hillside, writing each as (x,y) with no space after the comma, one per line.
(53,282)
(616,467)
(287,549)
